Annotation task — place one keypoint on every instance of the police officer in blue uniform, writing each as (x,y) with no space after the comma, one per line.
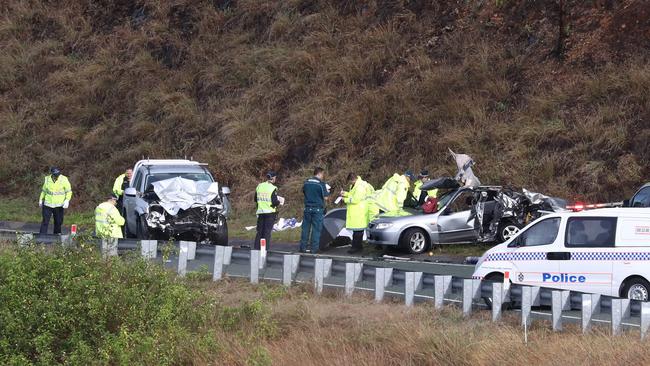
(315,191)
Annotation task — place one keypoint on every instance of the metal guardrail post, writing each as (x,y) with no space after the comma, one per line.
(290,264)
(626,308)
(182,259)
(471,291)
(24,238)
(560,302)
(535,295)
(322,268)
(227,252)
(66,240)
(149,249)
(255,266)
(526,305)
(442,285)
(412,283)
(645,319)
(353,274)
(497,300)
(587,312)
(109,247)
(191,249)
(617,316)
(219,260)
(383,276)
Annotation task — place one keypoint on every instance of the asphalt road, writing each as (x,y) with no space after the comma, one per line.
(368,252)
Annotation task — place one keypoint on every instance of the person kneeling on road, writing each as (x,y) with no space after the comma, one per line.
(356,219)
(315,191)
(108,220)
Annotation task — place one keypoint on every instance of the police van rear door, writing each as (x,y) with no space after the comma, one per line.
(590,242)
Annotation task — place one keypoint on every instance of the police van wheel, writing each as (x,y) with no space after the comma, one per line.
(416,241)
(636,289)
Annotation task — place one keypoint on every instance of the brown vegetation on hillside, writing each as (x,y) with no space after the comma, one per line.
(373,86)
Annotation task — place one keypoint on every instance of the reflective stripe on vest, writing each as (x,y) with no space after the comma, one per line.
(264,194)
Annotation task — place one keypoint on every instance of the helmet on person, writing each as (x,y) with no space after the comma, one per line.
(409,174)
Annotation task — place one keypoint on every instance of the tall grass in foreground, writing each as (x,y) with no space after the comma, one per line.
(72,307)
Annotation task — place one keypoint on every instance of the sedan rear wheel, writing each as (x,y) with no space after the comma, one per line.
(415,240)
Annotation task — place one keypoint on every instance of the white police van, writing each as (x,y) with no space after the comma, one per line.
(605,251)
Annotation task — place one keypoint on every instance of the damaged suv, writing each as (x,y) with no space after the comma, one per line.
(176,199)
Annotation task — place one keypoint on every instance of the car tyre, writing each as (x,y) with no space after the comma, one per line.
(142,230)
(415,240)
(220,236)
(636,288)
(507,229)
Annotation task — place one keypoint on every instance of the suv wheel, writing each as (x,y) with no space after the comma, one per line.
(142,230)
(415,240)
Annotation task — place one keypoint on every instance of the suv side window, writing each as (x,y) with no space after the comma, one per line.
(137,182)
(543,233)
(590,232)
(642,198)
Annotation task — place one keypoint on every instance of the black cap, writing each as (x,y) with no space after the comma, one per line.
(271,174)
(112,196)
(424,173)
(55,171)
(409,174)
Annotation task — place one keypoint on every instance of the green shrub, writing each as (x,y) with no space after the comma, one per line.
(72,307)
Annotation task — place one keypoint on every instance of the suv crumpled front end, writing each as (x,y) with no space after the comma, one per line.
(198,223)
(187,210)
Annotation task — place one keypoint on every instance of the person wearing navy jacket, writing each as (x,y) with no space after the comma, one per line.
(315,191)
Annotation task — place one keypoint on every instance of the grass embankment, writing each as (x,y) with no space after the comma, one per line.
(72,307)
(370,86)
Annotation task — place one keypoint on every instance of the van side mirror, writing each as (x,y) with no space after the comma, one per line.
(626,203)
(130,192)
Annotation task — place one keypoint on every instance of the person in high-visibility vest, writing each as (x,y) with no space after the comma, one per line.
(54,199)
(417,192)
(108,220)
(357,218)
(121,183)
(394,192)
(267,202)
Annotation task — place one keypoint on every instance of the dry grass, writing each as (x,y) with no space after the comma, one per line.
(315,330)
(373,86)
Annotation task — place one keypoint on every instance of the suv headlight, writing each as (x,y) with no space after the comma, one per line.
(383,225)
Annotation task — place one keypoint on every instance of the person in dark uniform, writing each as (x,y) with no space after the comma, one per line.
(315,191)
(267,200)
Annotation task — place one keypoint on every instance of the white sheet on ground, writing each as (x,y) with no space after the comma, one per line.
(281,225)
(180,194)
(348,233)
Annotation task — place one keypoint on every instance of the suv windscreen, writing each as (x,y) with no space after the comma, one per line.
(641,199)
(197,177)
(543,233)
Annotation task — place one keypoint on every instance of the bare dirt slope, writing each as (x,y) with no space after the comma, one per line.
(556,99)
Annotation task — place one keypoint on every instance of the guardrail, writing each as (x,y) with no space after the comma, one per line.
(352,275)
